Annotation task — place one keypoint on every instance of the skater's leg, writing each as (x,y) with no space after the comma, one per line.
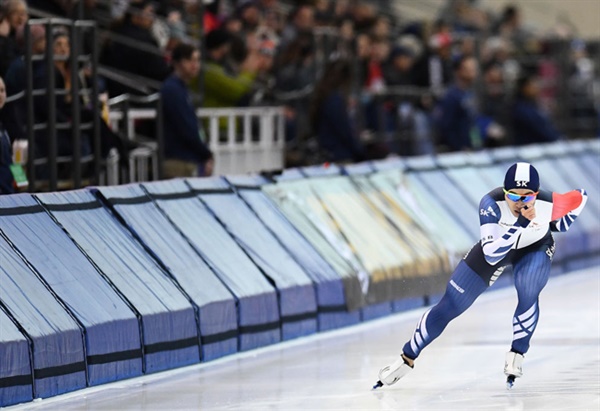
(531,276)
(462,290)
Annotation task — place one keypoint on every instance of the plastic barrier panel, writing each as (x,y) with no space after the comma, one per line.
(258,312)
(58,354)
(467,178)
(289,174)
(491,173)
(321,171)
(112,332)
(431,262)
(422,207)
(297,202)
(170,333)
(213,301)
(451,197)
(16,381)
(332,311)
(297,300)
(378,247)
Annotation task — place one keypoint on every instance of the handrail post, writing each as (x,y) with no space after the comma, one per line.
(51,100)
(95,105)
(29,107)
(75,106)
(160,150)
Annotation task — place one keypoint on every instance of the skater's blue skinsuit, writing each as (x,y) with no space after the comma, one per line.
(505,240)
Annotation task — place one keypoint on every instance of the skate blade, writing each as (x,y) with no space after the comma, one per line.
(510,382)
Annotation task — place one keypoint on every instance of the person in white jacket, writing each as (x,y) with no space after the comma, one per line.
(516,224)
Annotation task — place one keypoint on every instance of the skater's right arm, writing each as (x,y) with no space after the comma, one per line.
(496,241)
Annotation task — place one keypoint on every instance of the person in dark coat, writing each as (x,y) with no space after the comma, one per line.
(530,124)
(144,60)
(6,177)
(186,153)
(331,117)
(456,113)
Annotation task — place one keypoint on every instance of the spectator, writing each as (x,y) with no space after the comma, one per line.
(64,109)
(330,115)
(140,60)
(186,154)
(510,25)
(6,177)
(62,104)
(397,71)
(223,87)
(295,76)
(581,91)
(411,119)
(530,123)
(301,20)
(14,114)
(434,68)
(492,119)
(13,17)
(456,112)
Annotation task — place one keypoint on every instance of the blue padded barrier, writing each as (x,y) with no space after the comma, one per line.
(396,270)
(16,380)
(430,261)
(323,239)
(358,169)
(321,171)
(492,173)
(422,205)
(169,330)
(296,295)
(112,333)
(215,304)
(392,163)
(589,156)
(505,156)
(467,178)
(332,308)
(57,341)
(289,174)
(448,195)
(258,313)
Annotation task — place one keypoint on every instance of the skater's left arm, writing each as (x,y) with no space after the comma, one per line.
(565,209)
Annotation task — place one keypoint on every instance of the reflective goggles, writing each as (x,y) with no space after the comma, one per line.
(518,197)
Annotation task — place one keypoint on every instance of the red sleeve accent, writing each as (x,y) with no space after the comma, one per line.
(563,203)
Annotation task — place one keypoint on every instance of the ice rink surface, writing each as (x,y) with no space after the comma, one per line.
(462,370)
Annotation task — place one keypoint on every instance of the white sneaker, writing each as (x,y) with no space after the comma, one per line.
(390,374)
(513,364)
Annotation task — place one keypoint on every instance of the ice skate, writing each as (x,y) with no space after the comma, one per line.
(513,368)
(388,375)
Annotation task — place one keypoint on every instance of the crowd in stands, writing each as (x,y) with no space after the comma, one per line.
(357,80)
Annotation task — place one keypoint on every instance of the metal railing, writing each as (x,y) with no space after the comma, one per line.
(150,154)
(51,159)
(251,141)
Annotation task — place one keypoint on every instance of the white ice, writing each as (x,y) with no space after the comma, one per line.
(462,370)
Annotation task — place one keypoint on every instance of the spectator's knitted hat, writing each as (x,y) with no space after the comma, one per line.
(522,175)
(401,51)
(217,38)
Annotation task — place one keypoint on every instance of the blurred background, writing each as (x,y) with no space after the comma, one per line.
(298,82)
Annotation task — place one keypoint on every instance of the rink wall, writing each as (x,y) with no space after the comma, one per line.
(109,283)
